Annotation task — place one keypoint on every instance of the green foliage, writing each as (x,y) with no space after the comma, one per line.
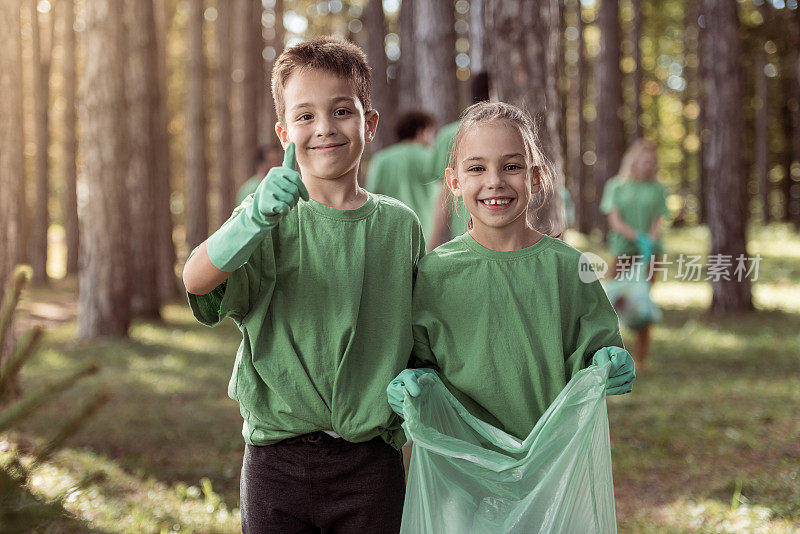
(20,509)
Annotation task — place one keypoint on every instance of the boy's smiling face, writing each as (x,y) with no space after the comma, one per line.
(328,124)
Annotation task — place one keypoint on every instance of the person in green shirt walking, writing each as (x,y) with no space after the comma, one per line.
(399,171)
(504,313)
(635,204)
(318,275)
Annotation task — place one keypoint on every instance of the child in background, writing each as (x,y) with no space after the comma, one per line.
(398,171)
(635,203)
(318,274)
(501,311)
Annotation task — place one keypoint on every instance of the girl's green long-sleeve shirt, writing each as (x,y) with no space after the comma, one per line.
(507,330)
(324,306)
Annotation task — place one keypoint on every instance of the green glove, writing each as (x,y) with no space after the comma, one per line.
(622,373)
(232,245)
(645,245)
(407,380)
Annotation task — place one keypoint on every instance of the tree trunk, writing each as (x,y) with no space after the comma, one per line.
(407,64)
(727,213)
(103,287)
(575,122)
(793,75)
(434,33)
(227,189)
(12,164)
(522,58)
(762,133)
(69,172)
(167,280)
(40,216)
(477,36)
(144,107)
(244,91)
(196,170)
(608,82)
(637,72)
(375,23)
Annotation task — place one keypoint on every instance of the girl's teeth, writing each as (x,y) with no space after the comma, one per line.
(494,202)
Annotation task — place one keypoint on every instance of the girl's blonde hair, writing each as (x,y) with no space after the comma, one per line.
(631,155)
(537,163)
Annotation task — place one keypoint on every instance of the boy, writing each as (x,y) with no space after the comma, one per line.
(317,273)
(399,170)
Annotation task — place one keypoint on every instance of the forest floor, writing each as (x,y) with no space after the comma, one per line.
(708,441)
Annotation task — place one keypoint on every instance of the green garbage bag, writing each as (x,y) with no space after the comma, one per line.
(630,296)
(467,476)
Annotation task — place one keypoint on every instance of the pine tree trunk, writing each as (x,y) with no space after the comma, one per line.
(727,213)
(434,32)
(375,23)
(227,189)
(12,164)
(168,287)
(608,83)
(144,107)
(762,134)
(637,73)
(69,170)
(575,123)
(196,167)
(477,36)
(244,92)
(407,64)
(522,57)
(40,216)
(793,75)
(103,287)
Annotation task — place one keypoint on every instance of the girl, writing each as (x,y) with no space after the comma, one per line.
(635,204)
(501,311)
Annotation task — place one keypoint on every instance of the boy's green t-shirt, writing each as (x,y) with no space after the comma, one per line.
(639,204)
(399,171)
(324,306)
(439,160)
(507,330)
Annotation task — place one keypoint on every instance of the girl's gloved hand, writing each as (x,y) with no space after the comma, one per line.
(407,380)
(622,373)
(645,245)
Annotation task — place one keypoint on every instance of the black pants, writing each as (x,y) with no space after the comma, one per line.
(316,483)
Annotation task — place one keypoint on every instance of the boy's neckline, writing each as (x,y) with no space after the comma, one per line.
(543,243)
(353,214)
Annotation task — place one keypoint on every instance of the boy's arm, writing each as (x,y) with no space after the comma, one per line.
(199,275)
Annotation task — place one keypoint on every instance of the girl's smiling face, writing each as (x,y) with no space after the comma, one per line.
(493,177)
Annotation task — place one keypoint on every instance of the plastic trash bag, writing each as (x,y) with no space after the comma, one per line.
(468,477)
(630,296)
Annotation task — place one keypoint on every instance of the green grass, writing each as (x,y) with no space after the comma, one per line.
(709,440)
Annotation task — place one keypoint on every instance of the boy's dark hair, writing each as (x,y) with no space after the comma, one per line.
(324,53)
(409,124)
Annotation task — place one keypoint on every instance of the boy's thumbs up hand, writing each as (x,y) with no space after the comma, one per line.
(279,191)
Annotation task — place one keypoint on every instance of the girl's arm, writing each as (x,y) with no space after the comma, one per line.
(616,223)
(655,228)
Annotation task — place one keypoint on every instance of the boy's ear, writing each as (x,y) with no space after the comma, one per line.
(451,179)
(283,135)
(370,125)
